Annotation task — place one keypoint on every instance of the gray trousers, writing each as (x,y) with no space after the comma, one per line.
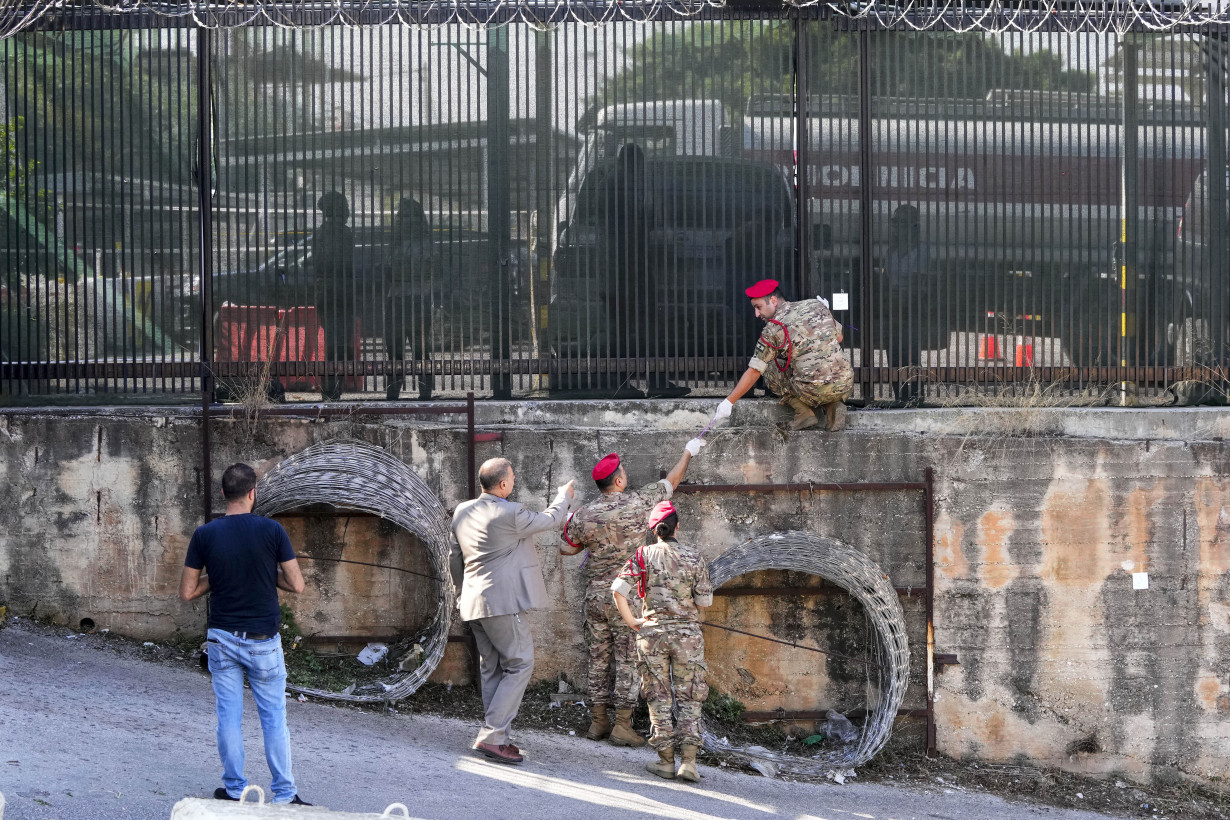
(506,661)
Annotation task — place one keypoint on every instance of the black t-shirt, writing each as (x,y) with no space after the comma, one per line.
(241,553)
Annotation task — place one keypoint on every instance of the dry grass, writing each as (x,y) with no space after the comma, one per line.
(1019,409)
(253,392)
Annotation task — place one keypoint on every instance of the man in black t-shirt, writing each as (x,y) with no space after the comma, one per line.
(246,559)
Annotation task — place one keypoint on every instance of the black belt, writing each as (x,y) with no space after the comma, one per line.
(251,636)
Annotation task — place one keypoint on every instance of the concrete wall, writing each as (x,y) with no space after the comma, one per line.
(1042,516)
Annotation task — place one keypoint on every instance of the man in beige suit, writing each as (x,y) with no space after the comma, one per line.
(495,567)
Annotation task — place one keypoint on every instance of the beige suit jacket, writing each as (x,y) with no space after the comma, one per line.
(493,559)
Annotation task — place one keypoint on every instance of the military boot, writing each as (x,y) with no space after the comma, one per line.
(664,766)
(687,764)
(623,734)
(804,416)
(835,416)
(600,725)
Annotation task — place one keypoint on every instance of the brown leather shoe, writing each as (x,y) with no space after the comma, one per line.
(504,753)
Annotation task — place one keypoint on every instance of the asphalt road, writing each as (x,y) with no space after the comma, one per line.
(88,729)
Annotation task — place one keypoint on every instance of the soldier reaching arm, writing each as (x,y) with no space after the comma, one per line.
(611,527)
(800,356)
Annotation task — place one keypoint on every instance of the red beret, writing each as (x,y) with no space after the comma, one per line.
(660,512)
(605,467)
(762,288)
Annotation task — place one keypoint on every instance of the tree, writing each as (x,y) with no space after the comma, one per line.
(734,60)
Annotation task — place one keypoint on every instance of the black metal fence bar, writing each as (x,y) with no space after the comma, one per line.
(575,211)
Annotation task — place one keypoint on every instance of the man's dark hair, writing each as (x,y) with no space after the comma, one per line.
(237,481)
(493,471)
(605,484)
(666,527)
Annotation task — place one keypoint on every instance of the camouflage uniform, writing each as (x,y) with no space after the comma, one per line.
(611,527)
(811,365)
(672,649)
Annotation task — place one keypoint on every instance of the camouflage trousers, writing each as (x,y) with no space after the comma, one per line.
(612,650)
(814,394)
(673,672)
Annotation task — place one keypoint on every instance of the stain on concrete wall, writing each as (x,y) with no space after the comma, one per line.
(1062,661)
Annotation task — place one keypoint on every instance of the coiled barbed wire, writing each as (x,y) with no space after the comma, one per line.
(888,677)
(960,16)
(360,477)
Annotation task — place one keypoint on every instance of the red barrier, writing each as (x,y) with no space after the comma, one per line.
(259,333)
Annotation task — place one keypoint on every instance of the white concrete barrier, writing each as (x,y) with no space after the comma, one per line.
(196,808)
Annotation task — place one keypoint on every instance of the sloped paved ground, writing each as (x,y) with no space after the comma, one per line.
(88,729)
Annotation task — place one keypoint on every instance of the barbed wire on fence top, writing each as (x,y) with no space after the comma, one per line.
(1070,16)
(956,16)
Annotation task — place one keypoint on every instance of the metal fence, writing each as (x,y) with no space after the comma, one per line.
(575,210)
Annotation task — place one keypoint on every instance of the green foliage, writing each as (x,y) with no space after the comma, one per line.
(728,63)
(16,170)
(734,61)
(186,643)
(289,625)
(722,707)
(105,105)
(306,667)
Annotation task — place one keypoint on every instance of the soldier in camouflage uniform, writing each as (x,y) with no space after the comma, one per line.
(611,527)
(673,580)
(800,357)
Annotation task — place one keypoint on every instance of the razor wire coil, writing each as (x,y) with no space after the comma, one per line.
(887,678)
(359,477)
(959,16)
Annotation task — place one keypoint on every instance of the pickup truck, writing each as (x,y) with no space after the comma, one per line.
(716,224)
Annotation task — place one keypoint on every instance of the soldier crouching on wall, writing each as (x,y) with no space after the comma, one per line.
(800,356)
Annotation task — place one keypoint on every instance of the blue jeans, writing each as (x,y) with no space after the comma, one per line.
(229,657)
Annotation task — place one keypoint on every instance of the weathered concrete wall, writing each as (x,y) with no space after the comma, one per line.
(1041,517)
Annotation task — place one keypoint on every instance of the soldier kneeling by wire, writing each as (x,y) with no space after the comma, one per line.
(673,580)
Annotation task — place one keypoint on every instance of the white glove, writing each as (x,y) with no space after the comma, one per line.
(693,446)
(824,302)
(723,411)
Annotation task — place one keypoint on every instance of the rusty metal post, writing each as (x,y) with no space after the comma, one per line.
(470,467)
(929,515)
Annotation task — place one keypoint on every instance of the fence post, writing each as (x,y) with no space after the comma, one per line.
(498,203)
(1129,199)
(865,136)
(802,166)
(204,182)
(539,277)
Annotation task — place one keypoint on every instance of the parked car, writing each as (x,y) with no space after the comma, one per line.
(462,284)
